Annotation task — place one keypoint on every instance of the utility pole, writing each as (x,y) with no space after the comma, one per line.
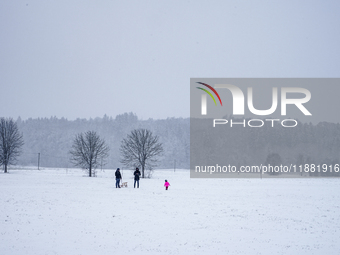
(38,160)
(175,165)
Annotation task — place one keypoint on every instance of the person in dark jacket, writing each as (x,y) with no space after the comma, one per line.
(118,177)
(136,174)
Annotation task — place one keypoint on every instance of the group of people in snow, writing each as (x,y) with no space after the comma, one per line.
(136,174)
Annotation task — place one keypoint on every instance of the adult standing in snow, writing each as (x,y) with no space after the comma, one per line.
(118,177)
(136,174)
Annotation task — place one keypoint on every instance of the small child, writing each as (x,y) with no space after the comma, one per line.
(166,184)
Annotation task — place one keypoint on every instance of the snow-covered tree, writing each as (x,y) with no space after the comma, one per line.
(88,151)
(11,142)
(140,148)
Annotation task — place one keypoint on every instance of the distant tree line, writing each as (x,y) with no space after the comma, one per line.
(304,144)
(53,138)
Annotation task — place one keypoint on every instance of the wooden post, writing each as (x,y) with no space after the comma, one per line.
(38,160)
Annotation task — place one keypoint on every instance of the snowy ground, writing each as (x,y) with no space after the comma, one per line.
(63,212)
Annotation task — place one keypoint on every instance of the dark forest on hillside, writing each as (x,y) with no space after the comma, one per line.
(53,137)
(306,143)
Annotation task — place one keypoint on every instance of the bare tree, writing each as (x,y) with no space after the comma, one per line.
(140,148)
(88,151)
(11,142)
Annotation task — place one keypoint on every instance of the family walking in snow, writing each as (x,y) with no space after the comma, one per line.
(136,174)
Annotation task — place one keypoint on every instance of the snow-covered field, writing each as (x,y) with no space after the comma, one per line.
(63,212)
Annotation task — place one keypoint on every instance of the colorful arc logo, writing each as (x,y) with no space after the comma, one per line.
(212,89)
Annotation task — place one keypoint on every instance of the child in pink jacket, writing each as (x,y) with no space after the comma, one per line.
(166,184)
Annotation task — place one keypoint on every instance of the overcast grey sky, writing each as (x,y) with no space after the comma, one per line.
(89,58)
